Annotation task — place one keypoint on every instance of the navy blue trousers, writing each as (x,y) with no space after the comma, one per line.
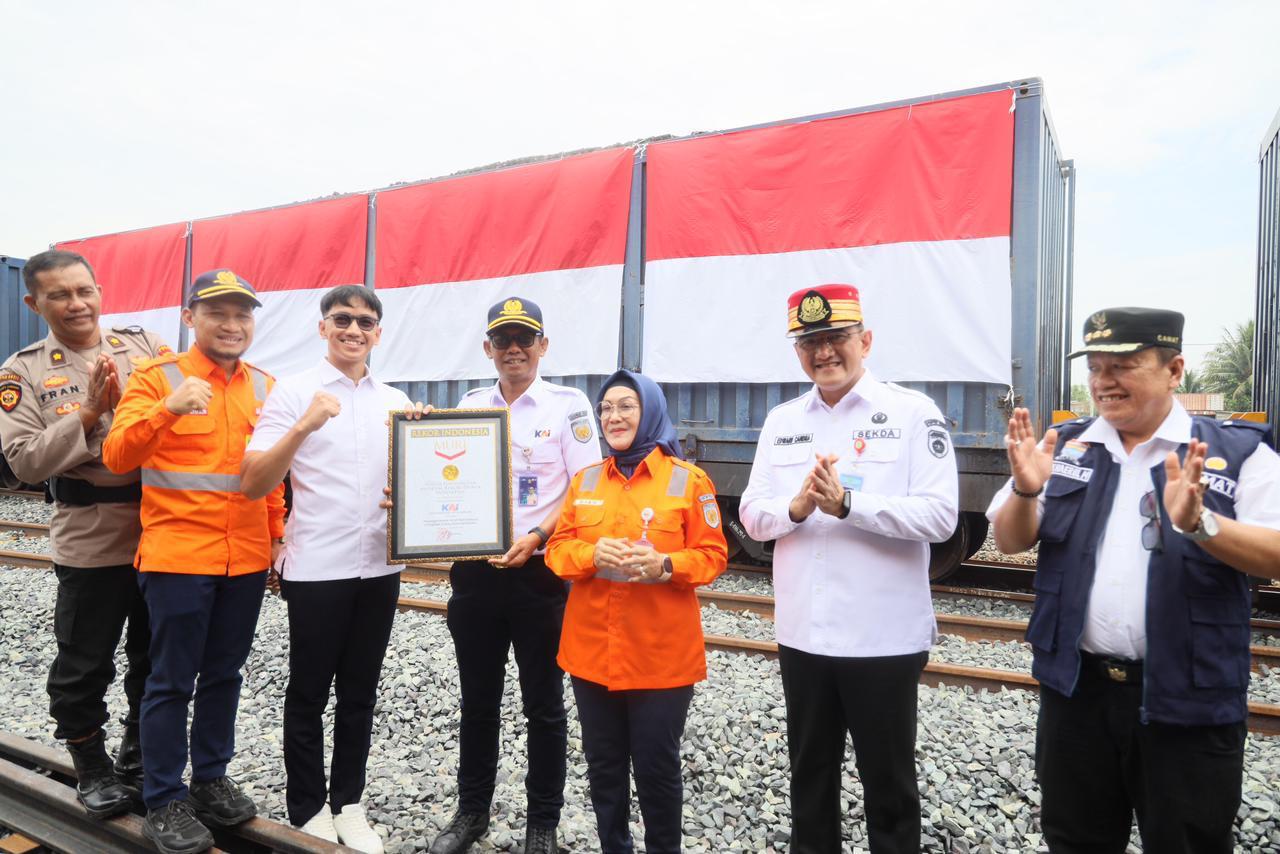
(201,628)
(640,730)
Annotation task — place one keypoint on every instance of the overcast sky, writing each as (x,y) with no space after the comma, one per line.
(129,114)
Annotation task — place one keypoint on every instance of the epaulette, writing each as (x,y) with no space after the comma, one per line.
(476,390)
(253,367)
(156,360)
(687,465)
(132,330)
(792,402)
(1261,427)
(32,347)
(911,391)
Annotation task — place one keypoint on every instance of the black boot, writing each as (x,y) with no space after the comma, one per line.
(129,760)
(96,784)
(463,830)
(540,840)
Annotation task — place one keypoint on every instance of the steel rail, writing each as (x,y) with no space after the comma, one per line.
(18,756)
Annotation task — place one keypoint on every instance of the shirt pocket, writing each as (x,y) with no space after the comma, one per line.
(666,530)
(193,442)
(791,455)
(589,519)
(545,457)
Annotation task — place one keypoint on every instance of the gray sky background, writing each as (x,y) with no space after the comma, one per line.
(129,114)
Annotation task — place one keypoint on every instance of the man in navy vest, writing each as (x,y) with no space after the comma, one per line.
(1149,521)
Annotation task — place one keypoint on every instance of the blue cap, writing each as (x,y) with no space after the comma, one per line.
(515,311)
(221,283)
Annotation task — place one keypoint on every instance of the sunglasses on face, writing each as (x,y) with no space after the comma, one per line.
(1152,538)
(503,340)
(342,320)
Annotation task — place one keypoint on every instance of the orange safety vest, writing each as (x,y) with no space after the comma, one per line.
(625,634)
(195,520)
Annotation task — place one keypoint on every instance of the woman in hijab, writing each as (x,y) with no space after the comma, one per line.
(637,534)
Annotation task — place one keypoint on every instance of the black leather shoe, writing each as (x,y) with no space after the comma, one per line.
(96,784)
(220,802)
(540,840)
(129,760)
(463,830)
(175,829)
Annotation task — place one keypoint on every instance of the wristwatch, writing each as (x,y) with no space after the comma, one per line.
(1206,528)
(846,504)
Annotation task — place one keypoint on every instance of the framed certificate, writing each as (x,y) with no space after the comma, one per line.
(450,477)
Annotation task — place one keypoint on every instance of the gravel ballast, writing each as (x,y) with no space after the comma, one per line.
(975,750)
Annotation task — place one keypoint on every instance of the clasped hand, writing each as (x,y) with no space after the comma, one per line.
(638,561)
(821,490)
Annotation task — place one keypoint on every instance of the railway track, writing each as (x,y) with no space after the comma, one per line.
(38,802)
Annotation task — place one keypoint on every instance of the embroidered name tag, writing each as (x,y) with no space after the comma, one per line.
(882,433)
(1221,484)
(798,439)
(1072,472)
(589,502)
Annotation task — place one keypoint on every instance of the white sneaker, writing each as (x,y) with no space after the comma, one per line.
(354,830)
(321,825)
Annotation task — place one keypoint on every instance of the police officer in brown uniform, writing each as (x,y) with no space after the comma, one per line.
(57,397)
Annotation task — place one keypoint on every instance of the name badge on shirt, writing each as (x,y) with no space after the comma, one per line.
(851,482)
(527,490)
(1072,472)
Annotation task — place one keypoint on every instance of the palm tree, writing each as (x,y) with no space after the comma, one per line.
(1229,367)
(1192,382)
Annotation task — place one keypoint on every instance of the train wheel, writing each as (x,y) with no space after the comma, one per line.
(945,557)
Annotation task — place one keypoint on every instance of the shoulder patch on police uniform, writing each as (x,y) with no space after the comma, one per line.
(581,428)
(939,443)
(10,396)
(8,376)
(711,514)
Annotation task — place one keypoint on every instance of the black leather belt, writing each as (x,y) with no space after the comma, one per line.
(1114,669)
(81,493)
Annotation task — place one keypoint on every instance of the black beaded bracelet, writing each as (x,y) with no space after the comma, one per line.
(1021,494)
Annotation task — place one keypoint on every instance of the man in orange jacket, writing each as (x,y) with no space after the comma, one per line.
(203,559)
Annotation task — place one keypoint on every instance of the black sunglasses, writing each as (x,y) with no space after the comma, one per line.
(523,338)
(1152,537)
(342,320)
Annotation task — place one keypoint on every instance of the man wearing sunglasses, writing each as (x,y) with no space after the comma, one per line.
(327,426)
(514,600)
(852,480)
(1149,521)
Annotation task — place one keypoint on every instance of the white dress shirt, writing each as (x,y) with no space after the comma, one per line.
(553,437)
(857,586)
(336,528)
(1116,618)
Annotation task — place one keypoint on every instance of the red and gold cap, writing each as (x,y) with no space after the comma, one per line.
(824,307)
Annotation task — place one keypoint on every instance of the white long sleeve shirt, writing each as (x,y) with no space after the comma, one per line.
(858,586)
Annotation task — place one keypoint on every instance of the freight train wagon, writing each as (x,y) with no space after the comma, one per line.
(951,212)
(1266,338)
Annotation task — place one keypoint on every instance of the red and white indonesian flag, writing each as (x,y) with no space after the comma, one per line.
(291,256)
(141,276)
(554,233)
(912,205)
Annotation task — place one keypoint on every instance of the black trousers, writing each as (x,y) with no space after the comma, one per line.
(1098,764)
(874,700)
(492,611)
(640,729)
(338,634)
(202,629)
(92,608)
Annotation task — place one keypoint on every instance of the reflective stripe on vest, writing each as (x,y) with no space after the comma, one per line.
(191,481)
(174,374)
(591,477)
(621,577)
(679,482)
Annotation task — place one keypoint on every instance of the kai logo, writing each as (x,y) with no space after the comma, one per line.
(544,433)
(451,507)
